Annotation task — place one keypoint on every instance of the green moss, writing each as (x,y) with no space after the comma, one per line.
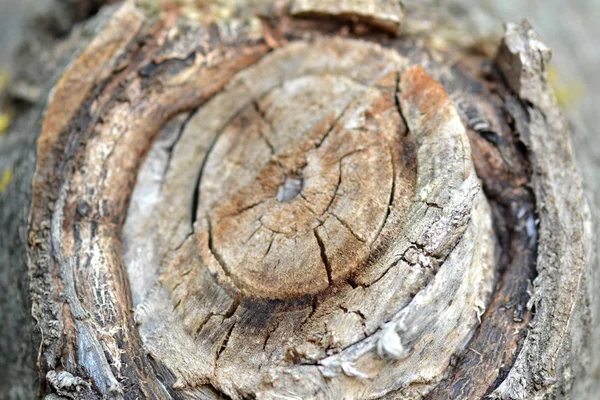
(567,93)
(5,179)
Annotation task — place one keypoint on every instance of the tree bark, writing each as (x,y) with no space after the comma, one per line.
(311,199)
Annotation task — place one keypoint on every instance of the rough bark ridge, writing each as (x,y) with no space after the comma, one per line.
(294,206)
(20,341)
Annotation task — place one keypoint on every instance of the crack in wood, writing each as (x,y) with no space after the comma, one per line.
(196,198)
(267,337)
(332,126)
(390,201)
(345,224)
(224,343)
(262,115)
(216,254)
(171,147)
(360,315)
(324,256)
(245,209)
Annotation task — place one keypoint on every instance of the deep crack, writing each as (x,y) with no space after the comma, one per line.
(324,256)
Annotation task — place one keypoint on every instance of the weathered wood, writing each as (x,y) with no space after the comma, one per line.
(386,14)
(296,208)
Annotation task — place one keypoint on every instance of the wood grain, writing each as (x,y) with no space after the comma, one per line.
(299,208)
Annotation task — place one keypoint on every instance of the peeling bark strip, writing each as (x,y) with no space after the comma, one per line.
(385,14)
(86,170)
(280,209)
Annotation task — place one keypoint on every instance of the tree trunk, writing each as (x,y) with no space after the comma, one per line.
(312,199)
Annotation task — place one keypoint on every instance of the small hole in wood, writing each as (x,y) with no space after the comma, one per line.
(291,187)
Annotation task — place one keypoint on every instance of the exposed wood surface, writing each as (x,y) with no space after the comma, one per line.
(386,14)
(299,208)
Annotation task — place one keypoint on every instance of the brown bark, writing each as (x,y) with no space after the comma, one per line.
(316,203)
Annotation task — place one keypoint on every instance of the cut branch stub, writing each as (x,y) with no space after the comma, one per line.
(307,223)
(372,207)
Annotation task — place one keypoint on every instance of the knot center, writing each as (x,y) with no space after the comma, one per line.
(291,187)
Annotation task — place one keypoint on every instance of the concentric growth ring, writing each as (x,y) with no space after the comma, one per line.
(319,212)
(298,186)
